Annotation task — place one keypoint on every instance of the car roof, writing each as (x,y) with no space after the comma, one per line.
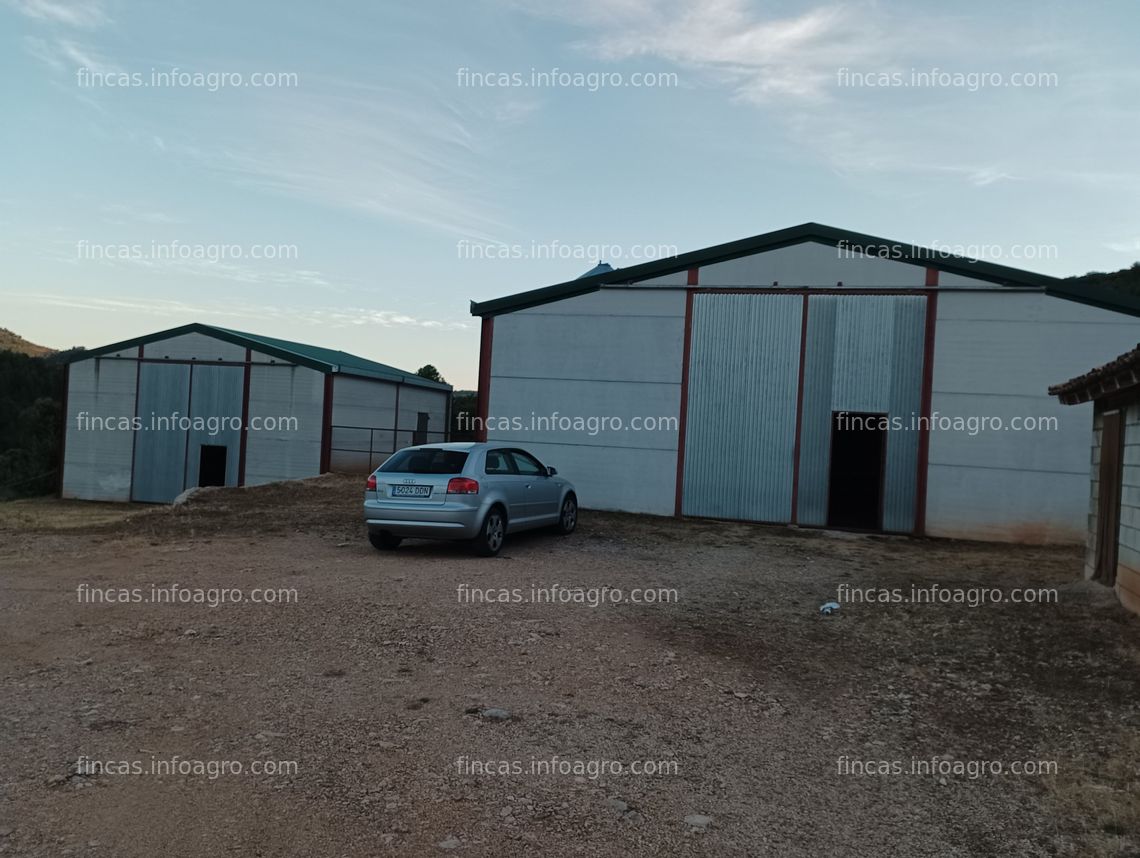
(450,445)
(468,446)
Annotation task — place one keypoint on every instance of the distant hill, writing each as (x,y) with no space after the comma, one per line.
(1126,280)
(10,342)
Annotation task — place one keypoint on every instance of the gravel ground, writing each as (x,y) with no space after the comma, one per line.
(376,683)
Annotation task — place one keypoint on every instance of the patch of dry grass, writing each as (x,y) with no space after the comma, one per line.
(1106,797)
(54,514)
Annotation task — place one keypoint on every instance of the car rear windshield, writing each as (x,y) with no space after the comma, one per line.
(425,461)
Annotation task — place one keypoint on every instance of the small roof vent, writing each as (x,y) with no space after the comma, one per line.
(600,268)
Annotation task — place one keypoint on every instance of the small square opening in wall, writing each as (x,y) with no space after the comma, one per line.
(858,455)
(212,465)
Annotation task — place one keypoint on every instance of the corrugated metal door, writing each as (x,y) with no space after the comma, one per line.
(864,353)
(741,415)
(215,403)
(160,450)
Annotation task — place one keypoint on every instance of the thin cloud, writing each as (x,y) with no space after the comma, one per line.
(46,52)
(120,212)
(327,316)
(71,13)
(789,66)
(385,156)
(65,56)
(758,59)
(1130,247)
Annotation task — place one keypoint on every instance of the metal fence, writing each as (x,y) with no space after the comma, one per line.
(363,448)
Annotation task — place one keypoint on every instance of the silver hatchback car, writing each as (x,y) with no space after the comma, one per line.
(474,491)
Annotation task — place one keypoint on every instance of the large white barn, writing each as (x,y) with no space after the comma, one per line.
(813,376)
(200,405)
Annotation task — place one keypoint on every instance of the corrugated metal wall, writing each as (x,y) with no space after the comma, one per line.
(900,492)
(995,355)
(97,462)
(285,453)
(363,423)
(744,365)
(160,453)
(615,353)
(417,400)
(1128,549)
(215,392)
(815,431)
(182,407)
(157,462)
(863,353)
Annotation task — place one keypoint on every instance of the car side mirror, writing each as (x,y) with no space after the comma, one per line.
(550,472)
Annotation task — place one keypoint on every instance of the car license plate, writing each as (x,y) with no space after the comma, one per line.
(411,491)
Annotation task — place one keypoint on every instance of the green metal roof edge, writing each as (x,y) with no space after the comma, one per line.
(335,359)
(991,272)
(1102,297)
(274,347)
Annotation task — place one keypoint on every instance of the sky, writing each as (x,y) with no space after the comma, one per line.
(353,174)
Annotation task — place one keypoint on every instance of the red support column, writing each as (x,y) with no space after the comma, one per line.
(927,399)
(326,425)
(135,433)
(684,410)
(484,402)
(244,416)
(799,412)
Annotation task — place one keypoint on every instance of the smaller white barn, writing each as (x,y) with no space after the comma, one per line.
(200,405)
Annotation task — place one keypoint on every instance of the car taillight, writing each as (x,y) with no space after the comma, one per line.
(371,484)
(462,486)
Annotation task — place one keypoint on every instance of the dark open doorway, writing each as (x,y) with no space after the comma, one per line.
(858,450)
(212,465)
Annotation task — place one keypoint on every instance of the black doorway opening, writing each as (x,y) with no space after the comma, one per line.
(858,452)
(212,465)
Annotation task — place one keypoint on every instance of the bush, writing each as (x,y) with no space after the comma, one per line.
(30,407)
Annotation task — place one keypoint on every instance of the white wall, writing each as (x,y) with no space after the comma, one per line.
(612,353)
(97,461)
(995,355)
(194,347)
(413,400)
(821,266)
(285,391)
(359,402)
(1128,549)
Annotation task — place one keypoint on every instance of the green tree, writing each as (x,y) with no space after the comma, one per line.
(30,407)
(464,408)
(1126,279)
(430,373)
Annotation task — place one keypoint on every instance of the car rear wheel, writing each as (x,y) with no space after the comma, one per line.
(384,541)
(491,534)
(568,517)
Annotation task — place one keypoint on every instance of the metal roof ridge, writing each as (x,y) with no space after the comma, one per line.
(805,232)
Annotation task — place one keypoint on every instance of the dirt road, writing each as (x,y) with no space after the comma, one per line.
(360,691)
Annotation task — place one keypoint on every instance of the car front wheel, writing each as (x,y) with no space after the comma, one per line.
(491,534)
(568,517)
